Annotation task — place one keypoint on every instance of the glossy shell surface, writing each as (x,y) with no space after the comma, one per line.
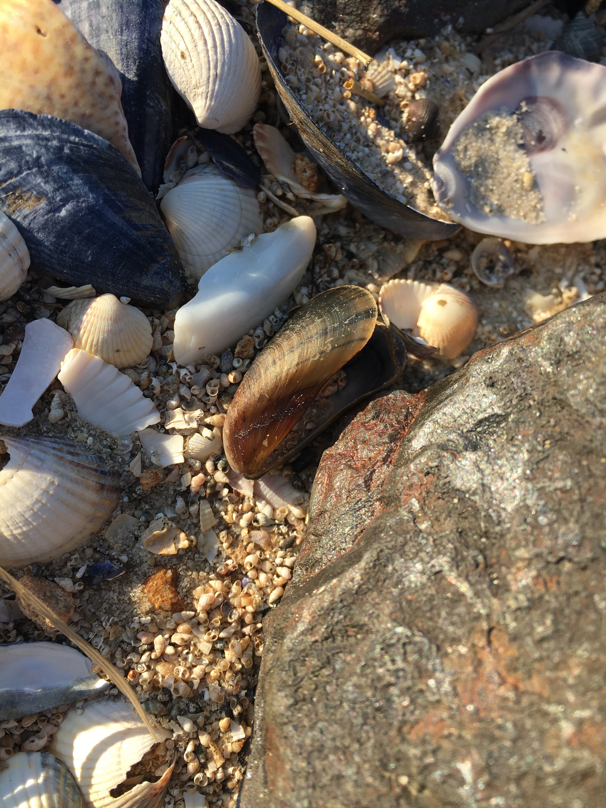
(37,780)
(14,258)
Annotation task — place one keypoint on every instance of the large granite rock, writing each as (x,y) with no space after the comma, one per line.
(442,642)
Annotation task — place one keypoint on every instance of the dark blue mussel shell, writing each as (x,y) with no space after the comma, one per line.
(85,215)
(359,189)
(229,157)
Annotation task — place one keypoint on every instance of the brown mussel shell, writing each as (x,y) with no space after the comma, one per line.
(422,120)
(336,330)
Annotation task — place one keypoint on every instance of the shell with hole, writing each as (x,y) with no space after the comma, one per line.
(211,62)
(440,314)
(38,780)
(208,215)
(53,496)
(14,258)
(104,326)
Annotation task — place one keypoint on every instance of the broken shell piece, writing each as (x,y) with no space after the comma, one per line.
(278,491)
(104,396)
(99,746)
(164,450)
(14,258)
(37,676)
(44,348)
(38,780)
(53,496)
(492,262)
(119,334)
(200,447)
(163,537)
(71,292)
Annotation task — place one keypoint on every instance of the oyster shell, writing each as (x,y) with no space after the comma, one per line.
(38,780)
(208,215)
(544,180)
(104,326)
(53,496)
(14,258)
(211,62)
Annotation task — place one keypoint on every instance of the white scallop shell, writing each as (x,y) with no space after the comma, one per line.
(53,496)
(400,301)
(99,747)
(104,396)
(106,327)
(200,447)
(14,258)
(38,780)
(211,62)
(383,80)
(208,215)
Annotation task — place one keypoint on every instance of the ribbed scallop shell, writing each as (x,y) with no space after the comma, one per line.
(104,396)
(99,747)
(382,78)
(14,258)
(120,334)
(208,215)
(38,780)
(53,496)
(200,447)
(211,62)
(400,301)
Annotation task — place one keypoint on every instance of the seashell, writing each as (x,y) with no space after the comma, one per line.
(53,496)
(83,212)
(208,215)
(351,181)
(14,258)
(163,537)
(492,262)
(382,78)
(38,780)
(207,517)
(243,289)
(102,571)
(164,450)
(440,314)
(281,385)
(44,348)
(229,157)
(211,62)
(580,38)
(422,121)
(99,747)
(76,84)
(525,158)
(119,334)
(200,447)
(37,676)
(104,396)
(71,292)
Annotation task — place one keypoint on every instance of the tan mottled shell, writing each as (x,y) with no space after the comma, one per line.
(211,62)
(382,78)
(103,326)
(53,496)
(14,258)
(38,780)
(76,82)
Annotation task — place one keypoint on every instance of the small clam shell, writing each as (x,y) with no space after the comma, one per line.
(400,302)
(53,496)
(208,215)
(422,121)
(200,447)
(382,78)
(211,62)
(119,334)
(104,396)
(14,258)
(38,780)
(492,262)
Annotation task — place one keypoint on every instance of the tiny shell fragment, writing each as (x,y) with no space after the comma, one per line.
(164,450)
(163,537)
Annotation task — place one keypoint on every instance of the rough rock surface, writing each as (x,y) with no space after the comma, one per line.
(370,23)
(442,642)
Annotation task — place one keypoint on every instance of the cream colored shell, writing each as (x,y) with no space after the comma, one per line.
(383,80)
(37,780)
(120,334)
(53,496)
(208,215)
(14,258)
(211,62)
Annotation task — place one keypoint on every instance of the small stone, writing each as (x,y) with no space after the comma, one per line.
(52,595)
(163,537)
(149,478)
(161,589)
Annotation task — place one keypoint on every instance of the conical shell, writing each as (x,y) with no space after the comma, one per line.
(211,62)
(119,334)
(448,320)
(400,302)
(14,258)
(208,215)
(38,780)
(77,83)
(104,396)
(53,496)
(99,747)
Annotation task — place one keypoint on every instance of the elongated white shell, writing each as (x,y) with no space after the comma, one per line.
(99,747)
(120,334)
(14,258)
(104,396)
(208,215)
(37,780)
(211,62)
(242,289)
(53,496)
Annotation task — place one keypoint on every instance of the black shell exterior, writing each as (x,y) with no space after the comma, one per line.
(85,215)
(229,157)
(359,189)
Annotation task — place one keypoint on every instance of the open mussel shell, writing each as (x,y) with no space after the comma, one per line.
(37,780)
(85,215)
(351,181)
(281,386)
